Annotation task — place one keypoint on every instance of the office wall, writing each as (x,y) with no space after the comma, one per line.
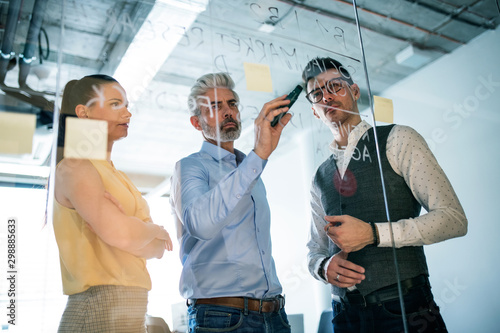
(454,104)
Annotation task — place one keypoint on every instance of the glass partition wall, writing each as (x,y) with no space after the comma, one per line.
(156,50)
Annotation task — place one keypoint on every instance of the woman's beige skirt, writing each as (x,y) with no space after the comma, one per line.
(106,309)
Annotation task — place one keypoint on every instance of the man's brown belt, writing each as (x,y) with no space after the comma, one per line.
(259,305)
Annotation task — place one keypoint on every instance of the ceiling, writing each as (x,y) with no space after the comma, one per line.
(180,40)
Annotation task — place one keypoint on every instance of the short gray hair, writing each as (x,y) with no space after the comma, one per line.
(206,82)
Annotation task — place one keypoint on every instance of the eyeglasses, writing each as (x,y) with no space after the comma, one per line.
(333,86)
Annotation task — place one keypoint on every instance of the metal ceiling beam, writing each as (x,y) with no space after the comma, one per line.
(456,14)
(410,25)
(365,26)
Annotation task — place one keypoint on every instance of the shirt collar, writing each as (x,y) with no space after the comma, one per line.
(219,153)
(356,133)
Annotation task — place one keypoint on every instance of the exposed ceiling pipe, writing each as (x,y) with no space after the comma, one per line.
(35,98)
(28,55)
(6,53)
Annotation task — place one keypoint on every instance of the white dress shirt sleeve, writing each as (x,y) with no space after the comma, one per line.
(318,240)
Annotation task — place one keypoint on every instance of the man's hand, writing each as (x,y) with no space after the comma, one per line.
(343,273)
(349,233)
(266,136)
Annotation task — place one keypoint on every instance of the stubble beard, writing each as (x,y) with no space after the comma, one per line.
(224,135)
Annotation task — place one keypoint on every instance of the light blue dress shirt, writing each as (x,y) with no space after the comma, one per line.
(223,225)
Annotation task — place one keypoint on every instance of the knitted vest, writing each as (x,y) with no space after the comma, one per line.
(359,194)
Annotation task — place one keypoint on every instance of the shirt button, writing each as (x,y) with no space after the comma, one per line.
(254,170)
(238,196)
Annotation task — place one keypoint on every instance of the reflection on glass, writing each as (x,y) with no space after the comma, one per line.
(157,50)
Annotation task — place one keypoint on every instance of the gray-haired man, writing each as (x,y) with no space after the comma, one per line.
(223,218)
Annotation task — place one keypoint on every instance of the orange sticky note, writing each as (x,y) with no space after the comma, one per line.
(258,77)
(86,138)
(384,110)
(16,132)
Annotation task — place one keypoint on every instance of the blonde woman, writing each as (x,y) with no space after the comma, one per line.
(102,223)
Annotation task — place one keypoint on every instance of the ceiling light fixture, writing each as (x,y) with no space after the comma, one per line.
(154,42)
(413,57)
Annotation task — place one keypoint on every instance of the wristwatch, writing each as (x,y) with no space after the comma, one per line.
(321,269)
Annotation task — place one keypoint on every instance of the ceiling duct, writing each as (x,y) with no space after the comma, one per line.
(27,57)
(7,53)
(27,169)
(23,92)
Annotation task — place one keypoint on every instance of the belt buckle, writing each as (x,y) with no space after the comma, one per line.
(364,304)
(278,303)
(364,301)
(281,302)
(355,298)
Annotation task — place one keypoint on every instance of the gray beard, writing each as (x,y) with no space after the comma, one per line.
(231,134)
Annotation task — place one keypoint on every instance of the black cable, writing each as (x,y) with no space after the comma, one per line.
(498,6)
(40,50)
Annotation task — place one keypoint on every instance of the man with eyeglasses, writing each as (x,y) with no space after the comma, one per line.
(223,219)
(350,244)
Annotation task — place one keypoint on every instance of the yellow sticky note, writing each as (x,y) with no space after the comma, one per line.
(16,132)
(258,77)
(86,138)
(384,110)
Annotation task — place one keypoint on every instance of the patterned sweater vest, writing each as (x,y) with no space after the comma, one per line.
(359,194)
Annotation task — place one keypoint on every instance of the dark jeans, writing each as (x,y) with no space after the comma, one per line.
(422,315)
(216,318)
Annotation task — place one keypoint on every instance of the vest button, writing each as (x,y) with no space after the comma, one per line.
(342,206)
